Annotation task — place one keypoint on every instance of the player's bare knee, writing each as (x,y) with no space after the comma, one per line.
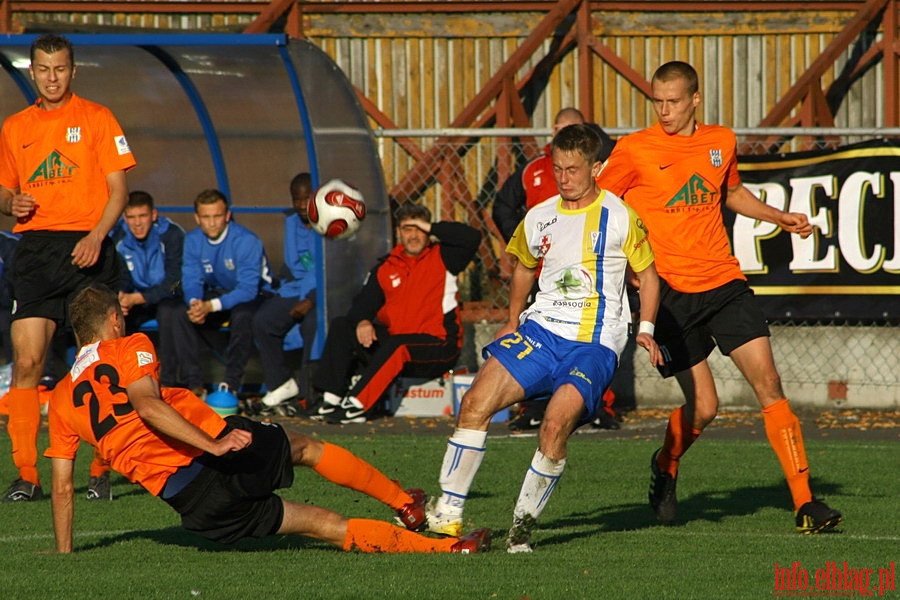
(475,411)
(552,438)
(705,419)
(305,450)
(705,413)
(27,371)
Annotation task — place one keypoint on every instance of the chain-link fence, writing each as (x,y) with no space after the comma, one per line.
(821,364)
(457,174)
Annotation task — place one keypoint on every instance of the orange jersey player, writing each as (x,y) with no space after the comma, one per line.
(677,175)
(218,474)
(678,187)
(62,177)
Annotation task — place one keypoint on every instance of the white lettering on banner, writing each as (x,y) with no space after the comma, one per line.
(893,265)
(816,254)
(804,252)
(748,232)
(850,233)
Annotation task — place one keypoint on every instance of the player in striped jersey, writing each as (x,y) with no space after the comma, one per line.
(567,343)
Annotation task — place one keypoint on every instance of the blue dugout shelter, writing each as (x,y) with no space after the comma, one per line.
(242,113)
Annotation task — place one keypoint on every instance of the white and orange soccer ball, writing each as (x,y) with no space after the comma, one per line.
(336,209)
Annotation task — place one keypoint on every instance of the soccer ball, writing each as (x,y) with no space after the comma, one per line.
(336,210)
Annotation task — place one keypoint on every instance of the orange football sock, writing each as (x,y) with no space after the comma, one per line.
(99,466)
(24,423)
(680,434)
(368,535)
(783,431)
(342,467)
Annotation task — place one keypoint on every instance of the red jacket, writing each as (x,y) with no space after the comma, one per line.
(418,294)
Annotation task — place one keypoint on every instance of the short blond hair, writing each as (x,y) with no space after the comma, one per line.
(677,69)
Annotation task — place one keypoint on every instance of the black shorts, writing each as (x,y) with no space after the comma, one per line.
(232,496)
(43,278)
(689,326)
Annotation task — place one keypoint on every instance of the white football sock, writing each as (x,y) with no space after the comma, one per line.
(540,481)
(465,451)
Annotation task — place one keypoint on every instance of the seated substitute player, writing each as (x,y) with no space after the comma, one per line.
(219,475)
(566,343)
(151,248)
(294,302)
(704,299)
(406,318)
(224,278)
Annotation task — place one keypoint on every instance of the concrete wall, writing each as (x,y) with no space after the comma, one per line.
(820,367)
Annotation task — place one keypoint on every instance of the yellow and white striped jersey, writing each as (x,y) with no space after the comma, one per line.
(581,293)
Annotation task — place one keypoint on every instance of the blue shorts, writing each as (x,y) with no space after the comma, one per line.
(541,362)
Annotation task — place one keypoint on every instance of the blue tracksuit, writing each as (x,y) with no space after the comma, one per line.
(154,263)
(152,266)
(273,323)
(234,270)
(301,251)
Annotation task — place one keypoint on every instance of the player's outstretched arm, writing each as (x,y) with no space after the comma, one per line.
(234,440)
(145,398)
(795,223)
(62,499)
(744,202)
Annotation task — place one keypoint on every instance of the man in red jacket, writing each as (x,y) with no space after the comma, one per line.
(405,319)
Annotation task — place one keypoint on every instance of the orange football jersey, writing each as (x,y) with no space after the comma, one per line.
(677,185)
(90,403)
(62,158)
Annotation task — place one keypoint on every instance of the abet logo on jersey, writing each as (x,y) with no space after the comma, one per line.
(55,167)
(696,192)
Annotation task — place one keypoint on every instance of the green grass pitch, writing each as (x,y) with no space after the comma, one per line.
(597,537)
